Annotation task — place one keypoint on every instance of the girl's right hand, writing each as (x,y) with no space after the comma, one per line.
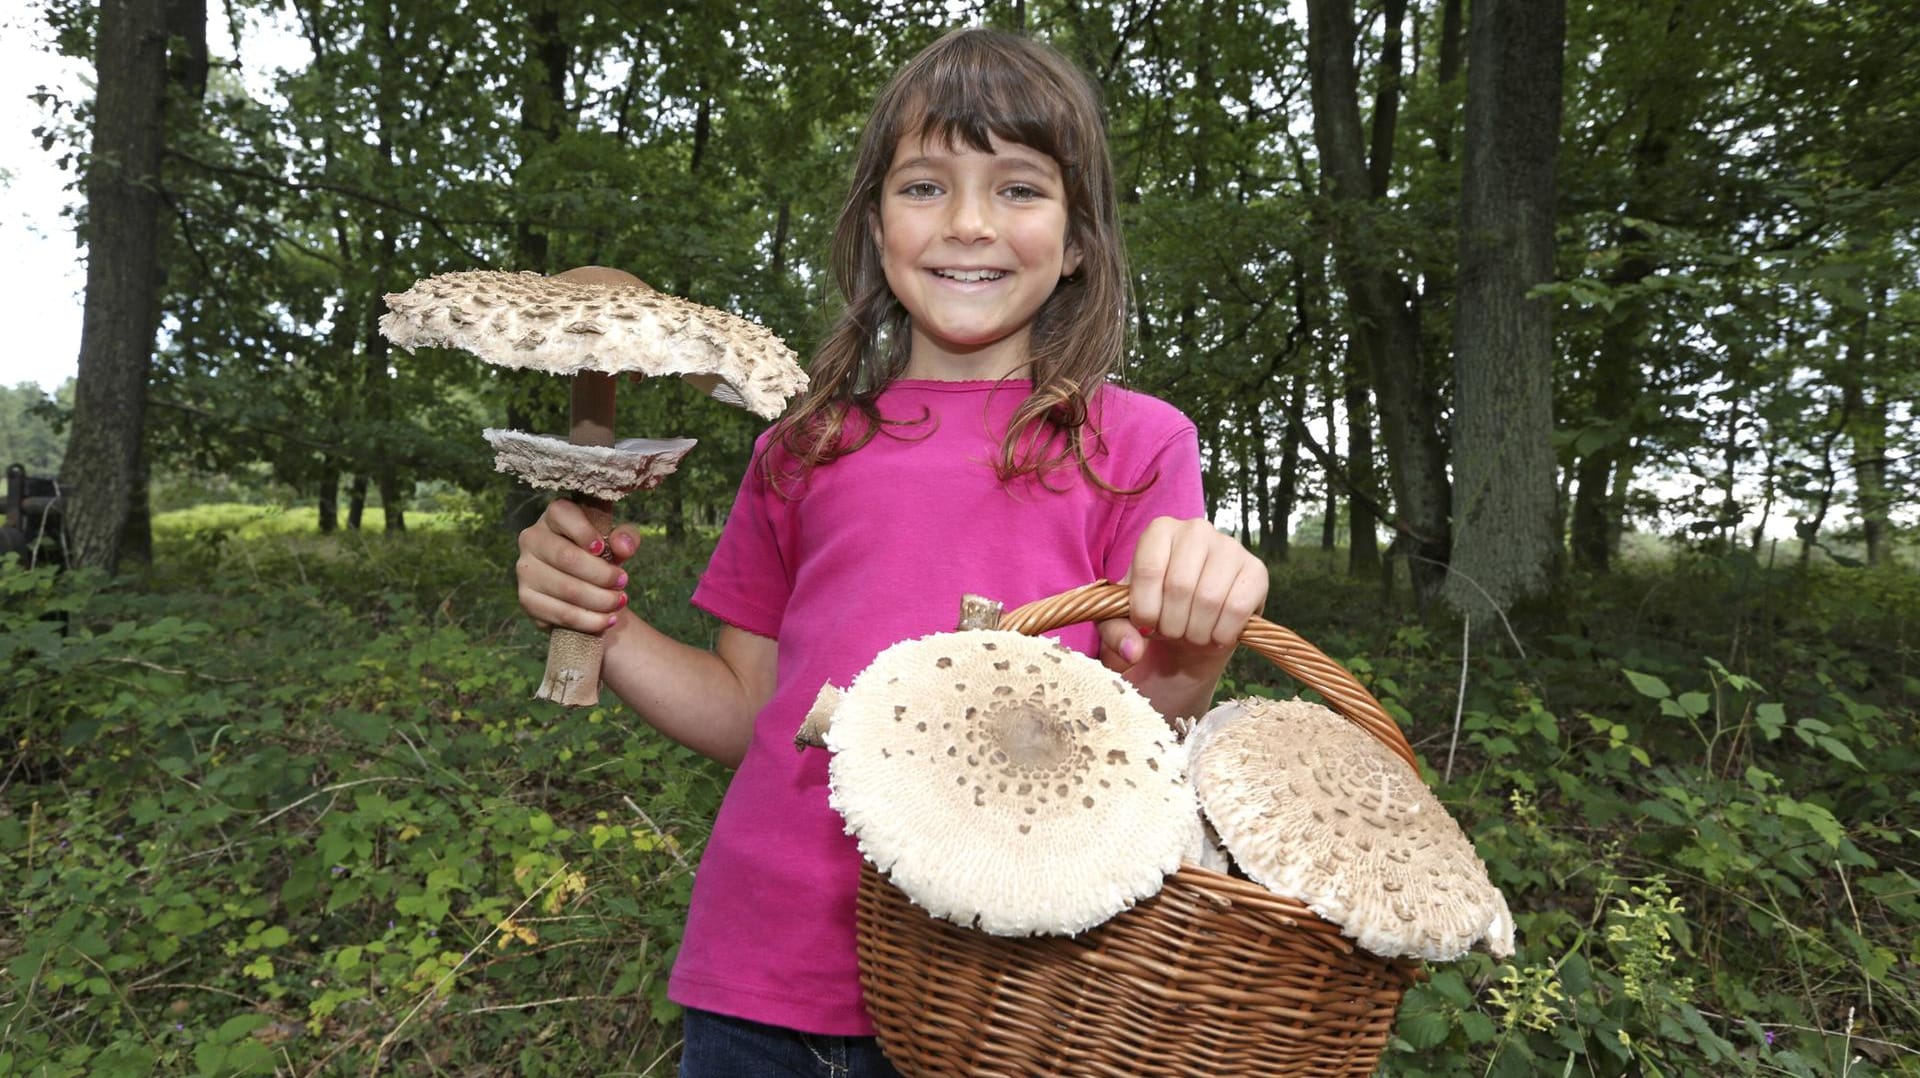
(563,578)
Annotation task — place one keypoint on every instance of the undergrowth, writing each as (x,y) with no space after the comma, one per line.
(285,806)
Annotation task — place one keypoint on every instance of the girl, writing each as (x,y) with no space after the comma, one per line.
(960,435)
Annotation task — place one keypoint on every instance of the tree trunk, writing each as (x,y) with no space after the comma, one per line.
(1280,525)
(1244,467)
(1263,486)
(1505,545)
(543,100)
(393,502)
(329,499)
(1363,541)
(356,501)
(1383,328)
(1329,526)
(122,306)
(1866,408)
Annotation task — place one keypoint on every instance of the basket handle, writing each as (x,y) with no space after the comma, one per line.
(1282,646)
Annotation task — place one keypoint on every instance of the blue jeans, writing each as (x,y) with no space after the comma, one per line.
(719,1046)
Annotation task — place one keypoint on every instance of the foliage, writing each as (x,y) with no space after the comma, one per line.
(30,428)
(287,805)
(293,803)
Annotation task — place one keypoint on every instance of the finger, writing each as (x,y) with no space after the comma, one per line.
(1211,620)
(1121,645)
(1179,587)
(1144,577)
(548,594)
(1247,598)
(542,545)
(625,542)
(568,519)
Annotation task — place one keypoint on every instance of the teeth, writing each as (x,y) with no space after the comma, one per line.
(970,275)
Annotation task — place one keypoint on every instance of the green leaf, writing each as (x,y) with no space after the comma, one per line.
(1771,718)
(233,1029)
(1648,685)
(1423,1029)
(1839,750)
(1477,1026)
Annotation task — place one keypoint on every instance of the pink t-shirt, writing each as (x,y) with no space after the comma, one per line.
(878,547)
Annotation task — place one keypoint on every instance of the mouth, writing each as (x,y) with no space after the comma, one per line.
(970,276)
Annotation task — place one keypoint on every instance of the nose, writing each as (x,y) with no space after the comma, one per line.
(971,218)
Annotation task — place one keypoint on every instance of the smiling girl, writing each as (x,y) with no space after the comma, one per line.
(962,435)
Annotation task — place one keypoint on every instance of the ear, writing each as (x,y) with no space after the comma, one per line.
(1070,262)
(873,227)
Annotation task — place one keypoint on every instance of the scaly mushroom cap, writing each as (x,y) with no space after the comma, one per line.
(565,327)
(1315,809)
(606,472)
(1004,781)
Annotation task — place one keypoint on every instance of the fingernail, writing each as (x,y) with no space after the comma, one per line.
(622,582)
(623,598)
(612,620)
(597,547)
(1130,650)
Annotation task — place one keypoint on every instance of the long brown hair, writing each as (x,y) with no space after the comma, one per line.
(967,87)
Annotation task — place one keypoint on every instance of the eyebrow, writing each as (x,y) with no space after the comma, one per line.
(1021,163)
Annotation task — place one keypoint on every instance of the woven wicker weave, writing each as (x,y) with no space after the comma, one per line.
(1212,976)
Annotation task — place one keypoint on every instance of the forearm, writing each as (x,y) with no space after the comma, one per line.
(693,696)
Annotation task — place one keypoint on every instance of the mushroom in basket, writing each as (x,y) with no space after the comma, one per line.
(593,324)
(1317,810)
(1006,782)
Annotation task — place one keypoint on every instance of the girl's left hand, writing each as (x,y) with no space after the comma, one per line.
(1191,587)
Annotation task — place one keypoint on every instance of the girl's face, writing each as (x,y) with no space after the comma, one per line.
(972,244)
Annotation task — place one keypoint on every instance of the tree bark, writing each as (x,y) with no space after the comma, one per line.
(356,501)
(329,496)
(102,461)
(1329,521)
(1382,323)
(1280,525)
(1363,542)
(543,105)
(1506,547)
(1866,409)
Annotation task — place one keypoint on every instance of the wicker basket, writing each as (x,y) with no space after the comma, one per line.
(1212,976)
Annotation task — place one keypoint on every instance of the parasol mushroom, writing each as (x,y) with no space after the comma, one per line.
(592,324)
(1006,782)
(1315,809)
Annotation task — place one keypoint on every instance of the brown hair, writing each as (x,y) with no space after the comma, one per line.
(967,87)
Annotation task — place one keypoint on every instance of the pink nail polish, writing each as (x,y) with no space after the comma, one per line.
(612,620)
(596,548)
(623,598)
(622,582)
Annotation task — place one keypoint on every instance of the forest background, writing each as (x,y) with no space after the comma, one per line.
(1560,359)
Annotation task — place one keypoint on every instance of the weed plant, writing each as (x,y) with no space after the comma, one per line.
(285,806)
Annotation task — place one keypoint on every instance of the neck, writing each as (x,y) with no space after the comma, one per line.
(933,361)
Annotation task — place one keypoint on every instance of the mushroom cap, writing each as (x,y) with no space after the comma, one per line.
(1314,808)
(592,324)
(1005,781)
(601,471)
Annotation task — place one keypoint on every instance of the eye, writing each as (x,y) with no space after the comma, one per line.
(921,189)
(1022,192)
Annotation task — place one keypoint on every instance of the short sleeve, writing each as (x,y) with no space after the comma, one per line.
(749,577)
(1171,474)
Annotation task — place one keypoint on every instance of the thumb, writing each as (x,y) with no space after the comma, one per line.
(1121,645)
(624,540)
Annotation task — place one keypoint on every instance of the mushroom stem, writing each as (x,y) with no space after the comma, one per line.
(979,612)
(572,677)
(813,731)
